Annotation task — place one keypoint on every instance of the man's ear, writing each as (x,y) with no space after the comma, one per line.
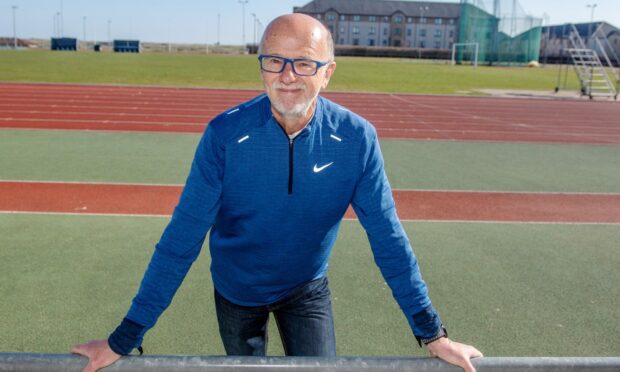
(329,70)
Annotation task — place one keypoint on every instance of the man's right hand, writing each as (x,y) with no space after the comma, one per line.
(98,353)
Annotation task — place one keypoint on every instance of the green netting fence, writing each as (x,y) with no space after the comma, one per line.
(503,31)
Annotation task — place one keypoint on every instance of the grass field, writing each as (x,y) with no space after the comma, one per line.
(241,71)
(504,287)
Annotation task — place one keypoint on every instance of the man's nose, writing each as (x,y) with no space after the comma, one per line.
(288,75)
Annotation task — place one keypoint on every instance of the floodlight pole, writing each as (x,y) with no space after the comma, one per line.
(243,2)
(14,7)
(84,28)
(62,21)
(423,10)
(109,32)
(254,24)
(259,27)
(592,6)
(218,28)
(57,24)
(548,37)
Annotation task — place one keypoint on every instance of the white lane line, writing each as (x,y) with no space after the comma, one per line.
(488,222)
(154,123)
(96,183)
(98,130)
(87,214)
(504,222)
(455,191)
(585,193)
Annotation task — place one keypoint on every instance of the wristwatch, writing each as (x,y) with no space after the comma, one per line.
(442,333)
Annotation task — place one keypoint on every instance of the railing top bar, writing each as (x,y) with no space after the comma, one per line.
(22,362)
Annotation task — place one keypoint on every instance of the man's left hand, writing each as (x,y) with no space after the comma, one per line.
(454,353)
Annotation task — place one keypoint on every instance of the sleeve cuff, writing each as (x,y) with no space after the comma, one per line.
(127,336)
(426,324)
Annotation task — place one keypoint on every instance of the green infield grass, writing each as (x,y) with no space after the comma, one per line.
(510,289)
(165,158)
(241,71)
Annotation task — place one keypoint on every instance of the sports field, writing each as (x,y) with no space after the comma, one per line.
(390,75)
(513,208)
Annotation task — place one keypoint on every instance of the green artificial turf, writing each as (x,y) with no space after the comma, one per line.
(241,71)
(509,289)
(165,158)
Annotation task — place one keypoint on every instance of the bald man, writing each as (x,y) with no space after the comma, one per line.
(271,179)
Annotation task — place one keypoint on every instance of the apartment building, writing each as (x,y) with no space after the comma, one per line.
(409,24)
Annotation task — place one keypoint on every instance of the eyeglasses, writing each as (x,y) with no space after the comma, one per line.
(301,66)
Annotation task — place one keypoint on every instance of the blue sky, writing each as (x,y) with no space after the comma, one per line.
(195,21)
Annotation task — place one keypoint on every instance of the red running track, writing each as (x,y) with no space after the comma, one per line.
(187,110)
(85,198)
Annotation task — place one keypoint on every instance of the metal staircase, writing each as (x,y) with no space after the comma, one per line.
(593,75)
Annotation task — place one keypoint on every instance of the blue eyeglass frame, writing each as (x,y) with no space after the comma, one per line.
(292,61)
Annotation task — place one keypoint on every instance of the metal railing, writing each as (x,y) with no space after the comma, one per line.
(24,362)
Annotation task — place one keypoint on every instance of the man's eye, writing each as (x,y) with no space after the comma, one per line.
(274,61)
(304,64)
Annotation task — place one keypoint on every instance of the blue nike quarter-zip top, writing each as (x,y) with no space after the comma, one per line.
(273,206)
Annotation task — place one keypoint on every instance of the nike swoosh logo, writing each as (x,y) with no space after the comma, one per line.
(318,169)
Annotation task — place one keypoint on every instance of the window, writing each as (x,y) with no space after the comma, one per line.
(356,30)
(384,42)
(451,21)
(438,21)
(341,40)
(451,33)
(331,17)
(371,42)
(385,31)
(423,32)
(396,43)
(422,44)
(409,20)
(372,30)
(422,19)
(356,18)
(408,32)
(437,32)
(356,41)
(398,19)
(343,17)
(372,19)
(437,44)
(397,31)
(342,29)
(386,18)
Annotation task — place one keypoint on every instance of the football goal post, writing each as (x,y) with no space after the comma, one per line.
(465,50)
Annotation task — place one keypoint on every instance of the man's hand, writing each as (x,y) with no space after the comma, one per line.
(98,353)
(454,353)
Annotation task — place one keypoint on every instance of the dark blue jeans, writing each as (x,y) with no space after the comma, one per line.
(304,319)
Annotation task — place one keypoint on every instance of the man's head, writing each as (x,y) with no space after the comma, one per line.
(296,36)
